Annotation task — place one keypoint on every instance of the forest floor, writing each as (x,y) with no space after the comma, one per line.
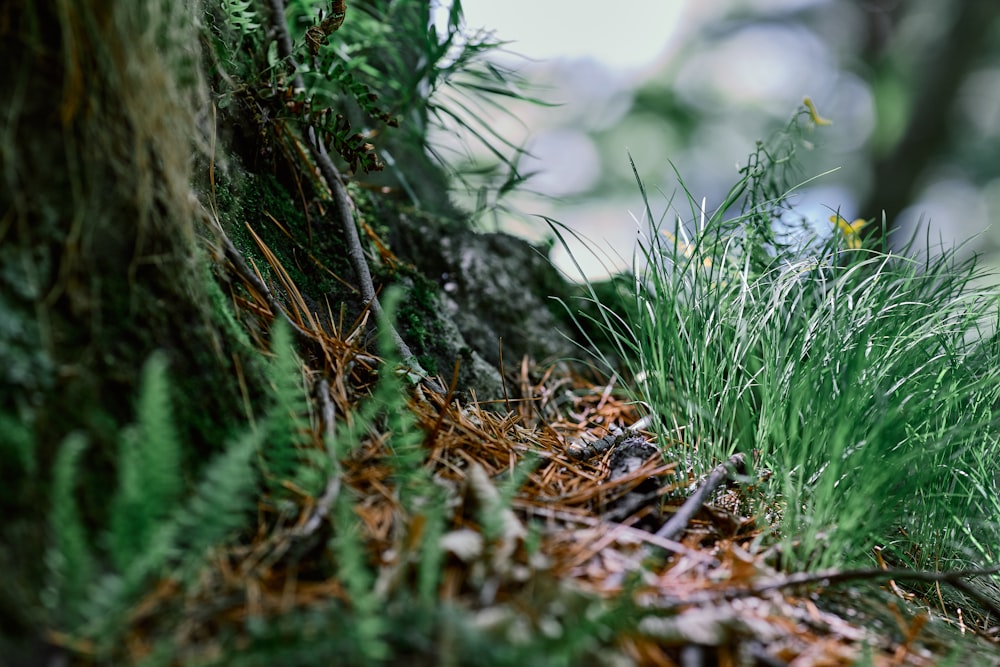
(556,503)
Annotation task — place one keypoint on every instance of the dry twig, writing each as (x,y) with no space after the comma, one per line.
(345,207)
(253,280)
(679,521)
(332,490)
(955,579)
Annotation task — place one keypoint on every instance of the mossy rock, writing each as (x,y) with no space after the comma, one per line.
(495,287)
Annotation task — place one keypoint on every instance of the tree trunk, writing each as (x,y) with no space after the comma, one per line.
(900,173)
(100,258)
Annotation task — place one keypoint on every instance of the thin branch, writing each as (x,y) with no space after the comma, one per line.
(344,206)
(634,533)
(432,436)
(236,259)
(672,529)
(955,579)
(329,497)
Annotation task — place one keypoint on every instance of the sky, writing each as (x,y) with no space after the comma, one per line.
(622,46)
(547,29)
(633,34)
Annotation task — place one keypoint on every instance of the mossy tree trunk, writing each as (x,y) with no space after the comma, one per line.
(101,260)
(105,258)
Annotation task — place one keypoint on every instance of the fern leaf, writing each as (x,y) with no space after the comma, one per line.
(17,444)
(149,479)
(216,511)
(128,527)
(68,558)
(241,15)
(161,447)
(222,498)
(370,625)
(284,450)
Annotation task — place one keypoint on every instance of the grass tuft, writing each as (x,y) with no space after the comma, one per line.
(861,379)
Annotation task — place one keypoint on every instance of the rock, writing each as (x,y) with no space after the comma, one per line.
(493,287)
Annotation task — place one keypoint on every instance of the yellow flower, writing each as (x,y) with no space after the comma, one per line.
(814,114)
(851,230)
(688,249)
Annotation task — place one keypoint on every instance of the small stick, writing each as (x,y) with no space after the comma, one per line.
(673,528)
(332,489)
(236,259)
(355,252)
(635,533)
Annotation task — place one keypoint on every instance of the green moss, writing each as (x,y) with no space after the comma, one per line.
(312,251)
(222,309)
(418,323)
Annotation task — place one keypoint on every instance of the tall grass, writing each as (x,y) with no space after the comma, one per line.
(862,379)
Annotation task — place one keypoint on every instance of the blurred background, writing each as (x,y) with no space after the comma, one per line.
(912,88)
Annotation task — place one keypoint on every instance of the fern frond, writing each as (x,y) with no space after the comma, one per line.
(222,499)
(149,477)
(128,523)
(432,554)
(370,625)
(217,510)
(17,444)
(285,454)
(241,15)
(161,450)
(69,558)
(321,635)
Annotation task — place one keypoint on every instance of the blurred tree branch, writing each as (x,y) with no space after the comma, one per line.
(899,173)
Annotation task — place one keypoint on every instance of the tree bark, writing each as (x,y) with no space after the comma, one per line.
(101,263)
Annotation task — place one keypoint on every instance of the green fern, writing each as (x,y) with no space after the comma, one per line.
(431,557)
(222,500)
(321,635)
(491,516)
(286,455)
(69,558)
(369,623)
(366,98)
(217,511)
(17,444)
(240,15)
(149,468)
(150,532)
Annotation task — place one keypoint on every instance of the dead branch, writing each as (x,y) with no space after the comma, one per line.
(332,490)
(672,529)
(239,264)
(955,579)
(344,206)
(633,533)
